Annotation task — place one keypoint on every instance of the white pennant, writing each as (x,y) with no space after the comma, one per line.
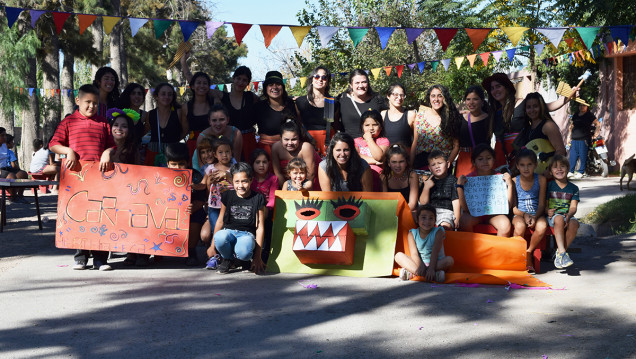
(326,33)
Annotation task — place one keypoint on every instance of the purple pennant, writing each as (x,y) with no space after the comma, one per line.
(212,26)
(412,34)
(12,14)
(35,15)
(539,49)
(187,28)
(411,66)
(511,54)
(385,34)
(420,66)
(620,32)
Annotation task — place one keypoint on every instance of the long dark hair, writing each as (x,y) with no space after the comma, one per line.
(174,102)
(124,99)
(129,150)
(113,96)
(359,72)
(479,91)
(310,85)
(396,149)
(375,116)
(508,108)
(291,124)
(451,118)
(208,96)
(353,167)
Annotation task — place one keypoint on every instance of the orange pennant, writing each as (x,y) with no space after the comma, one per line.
(269,31)
(569,41)
(484,58)
(388,70)
(471,59)
(477,36)
(85,21)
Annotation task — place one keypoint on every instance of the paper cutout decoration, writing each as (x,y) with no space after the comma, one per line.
(12,14)
(588,34)
(412,34)
(35,15)
(134,209)
(299,32)
(385,34)
(326,33)
(477,36)
(187,28)
(553,34)
(211,27)
(269,31)
(85,21)
(514,33)
(356,34)
(136,24)
(240,30)
(109,22)
(445,36)
(59,18)
(486,195)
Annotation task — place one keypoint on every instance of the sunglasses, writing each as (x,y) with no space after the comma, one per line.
(319,77)
(398,95)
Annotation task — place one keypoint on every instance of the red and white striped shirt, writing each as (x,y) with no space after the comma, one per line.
(88,137)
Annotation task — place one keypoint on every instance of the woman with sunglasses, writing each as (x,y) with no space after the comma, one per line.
(311,108)
(358,98)
(398,122)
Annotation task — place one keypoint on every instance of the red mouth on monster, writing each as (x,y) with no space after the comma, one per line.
(324,242)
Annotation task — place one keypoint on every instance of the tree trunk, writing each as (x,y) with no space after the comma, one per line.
(68,102)
(6,120)
(51,80)
(98,35)
(30,118)
(115,42)
(124,61)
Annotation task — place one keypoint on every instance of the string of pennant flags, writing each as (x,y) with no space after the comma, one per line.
(580,56)
(325,33)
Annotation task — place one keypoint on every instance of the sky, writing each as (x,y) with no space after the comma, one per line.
(277,12)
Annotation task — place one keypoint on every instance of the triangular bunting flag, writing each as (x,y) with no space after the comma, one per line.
(60,18)
(569,41)
(434,65)
(12,14)
(588,34)
(376,72)
(477,36)
(229,87)
(31,91)
(388,69)
(484,57)
(524,48)
(471,59)
(421,65)
(181,90)
(538,48)
(211,27)
(299,33)
(459,61)
(620,32)
(514,33)
(385,34)
(446,63)
(411,66)
(284,82)
(85,21)
(356,34)
(161,26)
(554,34)
(445,36)
(35,15)
(109,22)
(75,93)
(292,82)
(511,54)
(497,55)
(187,28)
(303,81)
(255,86)
(136,24)
(269,32)
(239,31)
(399,69)
(412,34)
(592,54)
(326,33)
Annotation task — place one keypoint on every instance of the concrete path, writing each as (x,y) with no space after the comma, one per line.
(48,310)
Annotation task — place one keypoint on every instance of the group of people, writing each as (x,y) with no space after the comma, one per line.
(242,148)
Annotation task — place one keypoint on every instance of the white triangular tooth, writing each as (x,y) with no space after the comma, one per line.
(298,244)
(323,226)
(337,226)
(300,224)
(312,245)
(336,246)
(324,246)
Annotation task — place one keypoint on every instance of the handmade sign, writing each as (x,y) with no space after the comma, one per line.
(135,209)
(338,233)
(486,195)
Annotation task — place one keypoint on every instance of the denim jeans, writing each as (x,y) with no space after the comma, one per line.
(213,215)
(230,241)
(578,150)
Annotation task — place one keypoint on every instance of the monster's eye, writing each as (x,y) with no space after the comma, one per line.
(308,210)
(348,209)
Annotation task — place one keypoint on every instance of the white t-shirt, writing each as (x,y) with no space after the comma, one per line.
(39,161)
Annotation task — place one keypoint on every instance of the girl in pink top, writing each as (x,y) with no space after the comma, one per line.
(372,145)
(264,181)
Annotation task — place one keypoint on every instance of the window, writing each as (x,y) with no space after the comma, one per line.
(629,82)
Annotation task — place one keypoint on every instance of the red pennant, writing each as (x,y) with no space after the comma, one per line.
(445,36)
(145,91)
(57,91)
(255,86)
(60,18)
(399,69)
(477,36)
(21,90)
(569,41)
(269,31)
(240,30)
(484,58)
(85,21)
(388,69)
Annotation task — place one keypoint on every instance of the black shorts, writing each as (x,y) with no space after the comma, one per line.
(199,216)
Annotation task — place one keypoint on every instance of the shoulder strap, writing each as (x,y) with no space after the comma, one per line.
(355,106)
(470,131)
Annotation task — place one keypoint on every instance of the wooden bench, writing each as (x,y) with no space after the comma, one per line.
(39,176)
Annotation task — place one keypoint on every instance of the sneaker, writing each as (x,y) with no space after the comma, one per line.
(577,175)
(566,261)
(225,265)
(405,274)
(79,266)
(570,175)
(244,265)
(213,263)
(558,260)
(440,276)
(105,267)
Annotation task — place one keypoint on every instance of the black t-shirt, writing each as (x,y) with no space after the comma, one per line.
(313,118)
(349,116)
(197,123)
(480,133)
(243,118)
(582,126)
(269,120)
(241,213)
(443,193)
(198,195)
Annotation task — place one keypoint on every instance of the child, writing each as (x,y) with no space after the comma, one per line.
(10,168)
(205,154)
(41,161)
(297,172)
(483,160)
(426,245)
(293,143)
(239,231)
(440,191)
(265,183)
(123,130)
(372,145)
(530,188)
(84,136)
(217,177)
(177,157)
(397,175)
(563,198)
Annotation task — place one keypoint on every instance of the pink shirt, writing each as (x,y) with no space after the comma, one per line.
(363,148)
(268,188)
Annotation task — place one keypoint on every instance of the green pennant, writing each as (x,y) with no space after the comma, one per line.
(357,33)
(75,92)
(525,48)
(160,27)
(221,87)
(588,34)
(434,64)
(284,82)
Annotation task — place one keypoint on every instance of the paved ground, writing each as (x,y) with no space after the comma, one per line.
(170,311)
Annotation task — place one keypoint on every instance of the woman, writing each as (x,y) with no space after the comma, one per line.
(240,106)
(584,123)
(107,82)
(398,122)
(133,98)
(167,123)
(198,108)
(358,98)
(218,121)
(475,129)
(343,170)
(275,106)
(436,127)
(311,108)
(293,144)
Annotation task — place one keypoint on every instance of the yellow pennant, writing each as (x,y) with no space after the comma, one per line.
(109,23)
(299,33)
(182,90)
(376,72)
(471,59)
(514,33)
(458,61)
(303,80)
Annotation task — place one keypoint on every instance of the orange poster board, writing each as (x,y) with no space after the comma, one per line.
(134,209)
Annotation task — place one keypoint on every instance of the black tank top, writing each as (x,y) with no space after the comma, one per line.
(139,128)
(406,191)
(312,117)
(242,118)
(537,132)
(269,120)
(398,131)
(169,134)
(480,133)
(196,123)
